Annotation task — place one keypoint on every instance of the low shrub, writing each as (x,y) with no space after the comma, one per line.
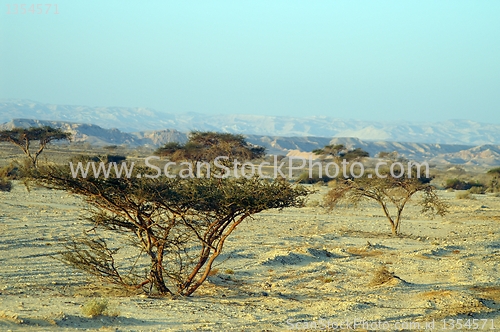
(457,184)
(304,178)
(381,276)
(5,184)
(477,190)
(14,171)
(464,194)
(98,307)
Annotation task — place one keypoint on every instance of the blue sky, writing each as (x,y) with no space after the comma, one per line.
(366,60)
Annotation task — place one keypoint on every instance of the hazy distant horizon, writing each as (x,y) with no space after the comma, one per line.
(305,116)
(386,61)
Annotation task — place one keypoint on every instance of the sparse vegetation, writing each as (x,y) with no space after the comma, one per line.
(339,151)
(386,192)
(494,181)
(98,307)
(381,276)
(5,184)
(464,194)
(206,146)
(478,190)
(325,280)
(458,184)
(179,224)
(304,178)
(23,138)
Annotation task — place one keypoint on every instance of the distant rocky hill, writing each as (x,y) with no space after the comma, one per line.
(485,155)
(145,119)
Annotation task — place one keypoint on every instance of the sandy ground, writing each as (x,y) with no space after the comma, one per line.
(283,270)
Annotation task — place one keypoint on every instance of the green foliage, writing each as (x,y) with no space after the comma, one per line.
(494,183)
(114,158)
(494,171)
(458,184)
(304,178)
(333,150)
(357,153)
(340,151)
(206,146)
(106,158)
(388,155)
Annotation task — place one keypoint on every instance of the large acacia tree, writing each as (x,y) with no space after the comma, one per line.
(206,146)
(178,224)
(24,137)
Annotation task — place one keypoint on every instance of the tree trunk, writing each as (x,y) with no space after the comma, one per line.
(394,228)
(156,275)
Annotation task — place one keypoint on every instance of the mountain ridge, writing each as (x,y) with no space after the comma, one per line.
(482,155)
(142,119)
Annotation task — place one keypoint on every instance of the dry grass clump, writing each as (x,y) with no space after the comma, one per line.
(98,307)
(437,294)
(314,203)
(10,317)
(325,280)
(213,272)
(364,252)
(479,190)
(488,292)
(5,184)
(464,195)
(382,276)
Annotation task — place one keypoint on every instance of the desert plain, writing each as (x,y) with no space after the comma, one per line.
(284,270)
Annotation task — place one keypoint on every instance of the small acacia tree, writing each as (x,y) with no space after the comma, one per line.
(179,224)
(391,193)
(23,137)
(339,151)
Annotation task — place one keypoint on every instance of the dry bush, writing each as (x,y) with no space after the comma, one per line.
(314,178)
(5,184)
(325,280)
(364,252)
(213,272)
(314,203)
(464,194)
(437,294)
(381,276)
(479,190)
(98,307)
